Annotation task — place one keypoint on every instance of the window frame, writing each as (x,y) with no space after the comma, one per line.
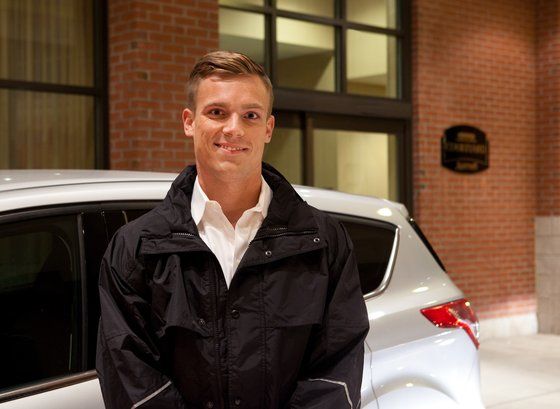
(291,98)
(394,250)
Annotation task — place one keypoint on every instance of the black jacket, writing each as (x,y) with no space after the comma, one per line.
(287,333)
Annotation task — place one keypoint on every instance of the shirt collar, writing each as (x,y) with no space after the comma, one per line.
(199,201)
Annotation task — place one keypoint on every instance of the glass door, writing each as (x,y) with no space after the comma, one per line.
(356,155)
(363,163)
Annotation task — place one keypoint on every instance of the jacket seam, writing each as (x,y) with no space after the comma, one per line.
(110,338)
(264,328)
(349,326)
(151,396)
(340,383)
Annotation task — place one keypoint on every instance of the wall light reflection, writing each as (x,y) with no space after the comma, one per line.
(385,211)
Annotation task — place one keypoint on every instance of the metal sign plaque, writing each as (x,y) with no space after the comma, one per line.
(464,149)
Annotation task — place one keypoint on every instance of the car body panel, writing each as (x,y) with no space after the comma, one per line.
(29,178)
(82,395)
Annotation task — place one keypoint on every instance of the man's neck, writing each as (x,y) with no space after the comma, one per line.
(234,195)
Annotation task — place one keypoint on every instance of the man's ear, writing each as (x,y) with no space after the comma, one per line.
(188,122)
(269,128)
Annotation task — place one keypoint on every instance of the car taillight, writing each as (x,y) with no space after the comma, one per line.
(454,314)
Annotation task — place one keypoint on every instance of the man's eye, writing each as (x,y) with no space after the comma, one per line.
(216,112)
(252,115)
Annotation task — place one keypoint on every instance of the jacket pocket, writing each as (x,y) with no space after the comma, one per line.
(295,291)
(179,297)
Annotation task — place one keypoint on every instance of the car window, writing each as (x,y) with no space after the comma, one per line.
(39,300)
(95,244)
(99,227)
(114,219)
(373,243)
(132,214)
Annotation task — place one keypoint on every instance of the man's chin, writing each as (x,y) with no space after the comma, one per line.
(235,169)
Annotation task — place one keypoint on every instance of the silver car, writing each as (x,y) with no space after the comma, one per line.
(421,351)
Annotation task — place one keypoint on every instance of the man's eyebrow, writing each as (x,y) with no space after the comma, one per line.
(253,105)
(216,104)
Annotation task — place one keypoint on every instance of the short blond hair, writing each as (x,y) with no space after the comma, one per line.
(224,64)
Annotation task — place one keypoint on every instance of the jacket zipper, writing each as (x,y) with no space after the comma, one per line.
(183,234)
(216,320)
(282,231)
(216,335)
(285,233)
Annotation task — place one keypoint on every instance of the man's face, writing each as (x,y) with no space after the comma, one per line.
(230,126)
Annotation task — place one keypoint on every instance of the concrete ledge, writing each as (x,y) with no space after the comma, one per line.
(514,325)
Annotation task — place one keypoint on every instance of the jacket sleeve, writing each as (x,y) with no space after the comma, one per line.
(332,374)
(128,360)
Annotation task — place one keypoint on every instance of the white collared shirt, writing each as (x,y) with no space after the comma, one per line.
(229,244)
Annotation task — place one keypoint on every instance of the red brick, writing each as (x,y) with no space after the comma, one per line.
(150,55)
(481,225)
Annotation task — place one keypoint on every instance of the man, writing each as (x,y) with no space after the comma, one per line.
(233,292)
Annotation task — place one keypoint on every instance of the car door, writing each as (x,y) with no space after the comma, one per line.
(42,313)
(49,306)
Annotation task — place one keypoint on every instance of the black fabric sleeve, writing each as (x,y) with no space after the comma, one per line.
(128,359)
(332,376)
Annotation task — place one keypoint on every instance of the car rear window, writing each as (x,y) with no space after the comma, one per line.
(373,243)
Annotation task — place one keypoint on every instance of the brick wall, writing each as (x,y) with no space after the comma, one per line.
(474,63)
(152,48)
(548,104)
(548,170)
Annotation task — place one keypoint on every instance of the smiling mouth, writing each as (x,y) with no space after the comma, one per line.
(229,148)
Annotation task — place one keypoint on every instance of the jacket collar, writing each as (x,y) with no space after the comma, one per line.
(287,212)
(202,207)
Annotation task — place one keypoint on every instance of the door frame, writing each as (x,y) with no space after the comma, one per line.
(306,122)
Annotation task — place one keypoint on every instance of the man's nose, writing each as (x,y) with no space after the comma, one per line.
(233,126)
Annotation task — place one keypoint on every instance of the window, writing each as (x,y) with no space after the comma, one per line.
(285,152)
(373,244)
(40,307)
(52,84)
(99,227)
(244,32)
(371,64)
(353,155)
(306,55)
(362,163)
(348,46)
(342,80)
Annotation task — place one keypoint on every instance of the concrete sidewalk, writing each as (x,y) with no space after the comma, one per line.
(521,372)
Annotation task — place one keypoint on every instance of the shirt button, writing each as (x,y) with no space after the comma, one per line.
(235,313)
(268,253)
(201,322)
(209,404)
(316,240)
(237,401)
